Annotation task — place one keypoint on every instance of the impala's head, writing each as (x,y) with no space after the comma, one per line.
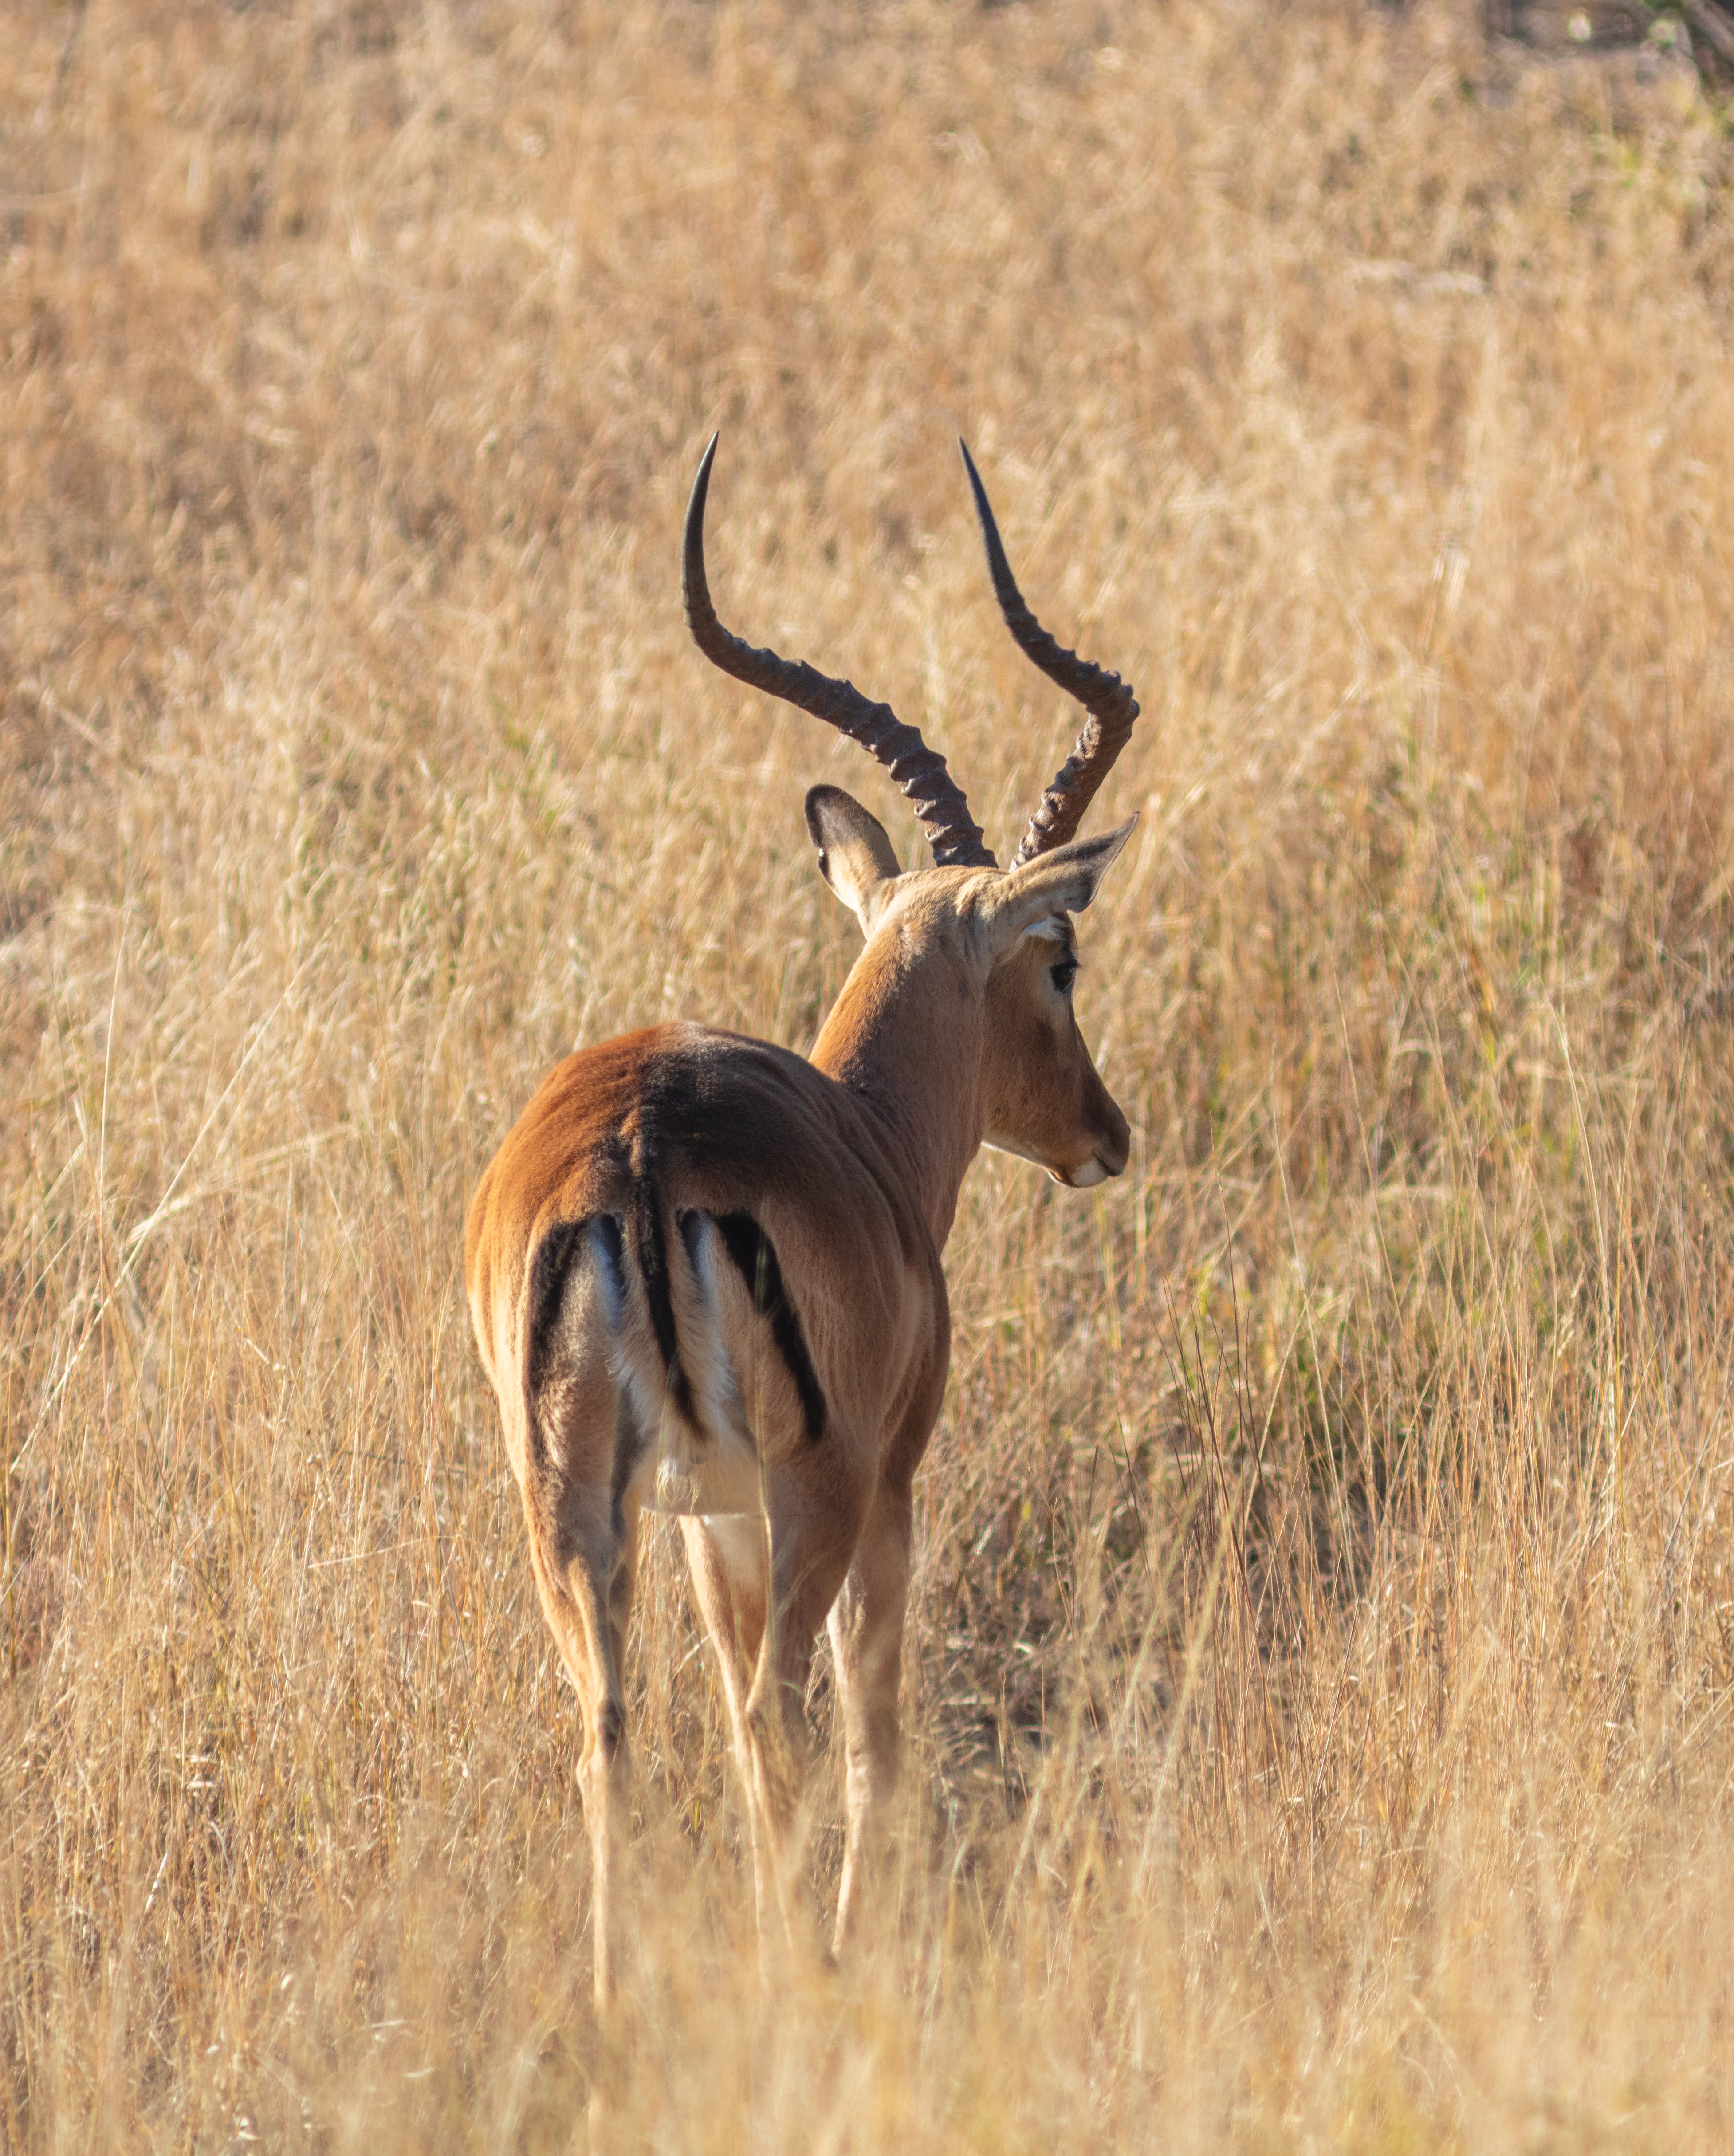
(996,947)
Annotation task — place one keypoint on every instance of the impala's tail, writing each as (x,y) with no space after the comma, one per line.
(650,1242)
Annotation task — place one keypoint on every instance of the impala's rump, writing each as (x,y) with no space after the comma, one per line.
(659,1188)
(699,1400)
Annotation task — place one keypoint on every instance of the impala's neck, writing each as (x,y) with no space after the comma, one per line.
(906,1035)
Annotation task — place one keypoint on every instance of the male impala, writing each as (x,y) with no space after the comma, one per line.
(705,1273)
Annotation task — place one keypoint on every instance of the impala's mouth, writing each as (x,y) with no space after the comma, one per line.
(1094,1171)
(1084,1176)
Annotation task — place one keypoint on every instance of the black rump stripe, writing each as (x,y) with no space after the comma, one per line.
(548,1269)
(755,1257)
(548,1272)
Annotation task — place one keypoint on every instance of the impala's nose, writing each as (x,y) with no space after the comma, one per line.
(1114,1147)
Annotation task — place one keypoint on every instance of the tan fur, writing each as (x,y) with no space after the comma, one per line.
(949,1031)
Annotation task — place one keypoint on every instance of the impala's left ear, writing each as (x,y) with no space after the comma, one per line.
(1064,881)
(855,852)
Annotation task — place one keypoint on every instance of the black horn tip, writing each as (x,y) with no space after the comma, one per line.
(1005,585)
(978,490)
(701,484)
(695,589)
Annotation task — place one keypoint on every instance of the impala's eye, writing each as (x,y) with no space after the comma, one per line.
(1064,974)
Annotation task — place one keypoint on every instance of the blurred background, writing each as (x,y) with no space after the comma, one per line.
(1318,1684)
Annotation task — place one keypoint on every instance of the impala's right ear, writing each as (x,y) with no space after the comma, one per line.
(855,854)
(1063,881)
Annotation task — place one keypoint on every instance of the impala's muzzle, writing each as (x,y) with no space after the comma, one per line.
(1109,1156)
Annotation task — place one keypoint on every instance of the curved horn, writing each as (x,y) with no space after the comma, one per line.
(921,772)
(1108,701)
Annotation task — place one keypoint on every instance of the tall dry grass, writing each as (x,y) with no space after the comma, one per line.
(1318,1683)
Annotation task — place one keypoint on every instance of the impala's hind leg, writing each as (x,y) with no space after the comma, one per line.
(816,1504)
(728,1558)
(866,1626)
(586,1562)
(583,1542)
(765,1648)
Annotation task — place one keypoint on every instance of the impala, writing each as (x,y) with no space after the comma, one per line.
(704,1272)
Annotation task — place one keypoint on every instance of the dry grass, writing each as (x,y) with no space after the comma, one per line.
(1318,1680)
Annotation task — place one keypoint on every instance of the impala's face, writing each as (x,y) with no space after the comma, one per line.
(1044,1097)
(997,956)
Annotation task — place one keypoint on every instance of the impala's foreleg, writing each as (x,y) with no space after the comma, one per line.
(866,1625)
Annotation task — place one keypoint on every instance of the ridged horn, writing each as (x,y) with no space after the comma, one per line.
(1108,701)
(919,770)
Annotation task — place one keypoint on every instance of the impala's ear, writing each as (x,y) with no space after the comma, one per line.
(855,854)
(1064,881)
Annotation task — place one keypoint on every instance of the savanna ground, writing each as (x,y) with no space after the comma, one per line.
(1319,1676)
